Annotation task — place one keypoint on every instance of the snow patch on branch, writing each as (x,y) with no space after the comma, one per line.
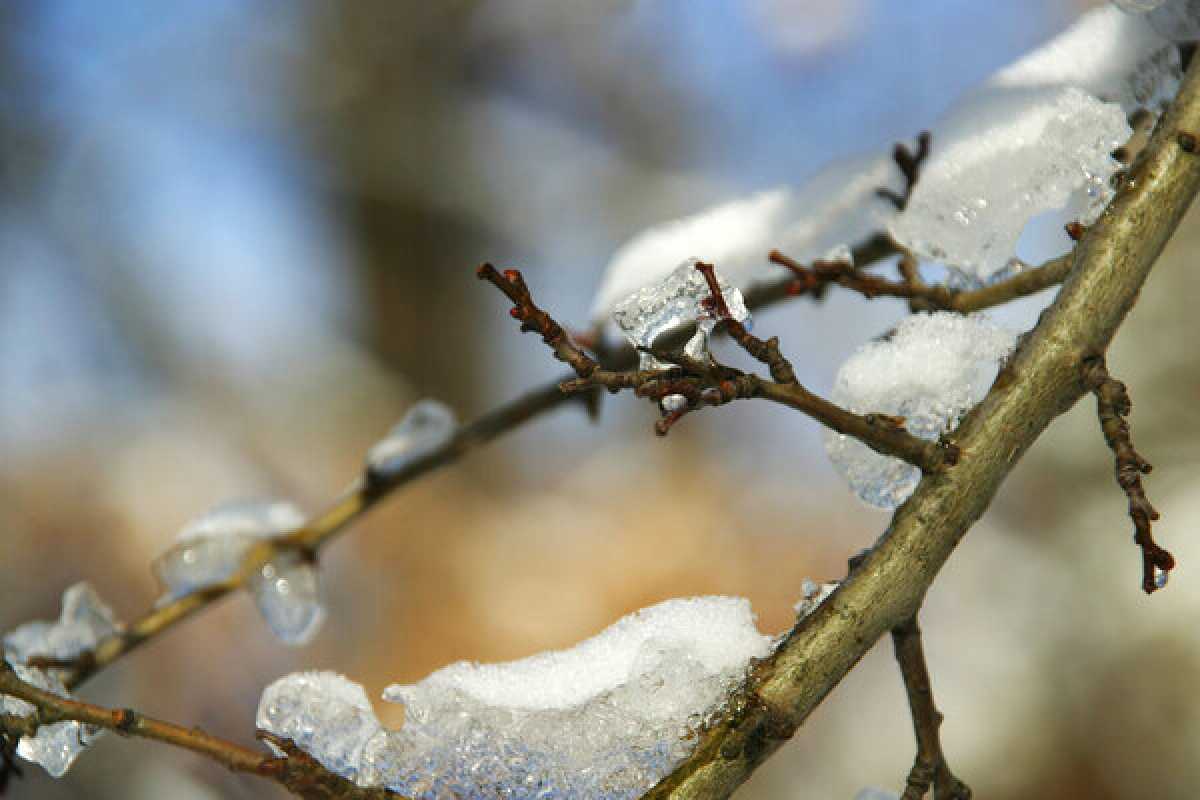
(607,718)
(930,371)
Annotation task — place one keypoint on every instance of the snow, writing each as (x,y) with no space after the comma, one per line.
(210,551)
(1002,158)
(680,298)
(607,718)
(839,206)
(85,620)
(931,370)
(1116,57)
(427,426)
(813,595)
(1177,20)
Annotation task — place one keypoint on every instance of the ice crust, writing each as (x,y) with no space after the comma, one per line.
(676,300)
(85,620)
(1037,137)
(605,719)
(427,426)
(1004,157)
(931,370)
(839,206)
(211,548)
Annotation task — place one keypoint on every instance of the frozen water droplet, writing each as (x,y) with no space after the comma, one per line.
(427,426)
(288,595)
(932,369)
(814,595)
(211,547)
(1160,578)
(674,402)
(673,302)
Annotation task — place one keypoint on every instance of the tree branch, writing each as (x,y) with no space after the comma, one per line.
(1112,406)
(299,774)
(929,767)
(1046,376)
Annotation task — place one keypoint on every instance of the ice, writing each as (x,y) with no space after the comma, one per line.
(838,205)
(1138,6)
(1178,20)
(210,551)
(1117,57)
(675,301)
(1002,158)
(674,402)
(324,714)
(288,594)
(876,794)
(813,595)
(210,548)
(605,719)
(427,426)
(930,371)
(85,620)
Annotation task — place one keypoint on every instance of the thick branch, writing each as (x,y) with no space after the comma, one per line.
(1046,376)
(929,767)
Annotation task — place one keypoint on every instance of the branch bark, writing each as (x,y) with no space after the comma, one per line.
(1045,378)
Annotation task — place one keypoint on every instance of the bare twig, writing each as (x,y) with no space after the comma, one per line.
(910,167)
(929,767)
(813,278)
(1112,407)
(300,774)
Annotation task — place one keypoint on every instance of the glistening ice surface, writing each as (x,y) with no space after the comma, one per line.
(605,719)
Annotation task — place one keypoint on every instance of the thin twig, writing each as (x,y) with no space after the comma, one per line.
(1112,407)
(929,766)
(300,774)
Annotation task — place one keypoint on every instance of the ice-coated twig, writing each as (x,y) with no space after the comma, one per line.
(929,769)
(706,383)
(909,163)
(301,776)
(1112,407)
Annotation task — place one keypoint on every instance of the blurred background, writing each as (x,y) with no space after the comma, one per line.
(237,242)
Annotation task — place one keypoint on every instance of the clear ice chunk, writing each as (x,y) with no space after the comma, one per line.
(288,594)
(1004,157)
(605,719)
(85,620)
(55,747)
(930,371)
(324,714)
(211,548)
(427,426)
(838,204)
(673,402)
(675,301)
